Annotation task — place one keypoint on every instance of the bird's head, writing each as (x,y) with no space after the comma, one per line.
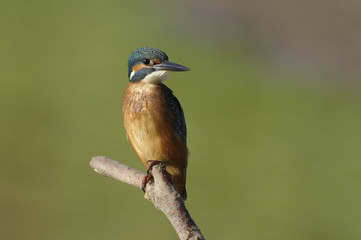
(150,65)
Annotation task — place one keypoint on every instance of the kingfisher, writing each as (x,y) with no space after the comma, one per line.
(152,115)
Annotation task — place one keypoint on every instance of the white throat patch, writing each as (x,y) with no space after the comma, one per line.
(155,77)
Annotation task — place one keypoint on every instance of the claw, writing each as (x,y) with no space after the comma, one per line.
(152,163)
(149,176)
(146,179)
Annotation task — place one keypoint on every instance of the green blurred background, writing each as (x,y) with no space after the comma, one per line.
(272,105)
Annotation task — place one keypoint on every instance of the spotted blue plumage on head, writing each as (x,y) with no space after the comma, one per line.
(141,53)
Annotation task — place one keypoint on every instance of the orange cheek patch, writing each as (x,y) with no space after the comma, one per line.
(155,61)
(139,66)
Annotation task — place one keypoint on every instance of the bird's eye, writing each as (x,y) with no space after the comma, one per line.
(146,61)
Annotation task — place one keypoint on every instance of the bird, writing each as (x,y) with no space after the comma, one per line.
(153,117)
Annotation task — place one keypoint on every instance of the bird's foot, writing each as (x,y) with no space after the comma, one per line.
(151,164)
(149,176)
(146,179)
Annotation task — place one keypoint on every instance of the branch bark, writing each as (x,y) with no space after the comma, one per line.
(160,192)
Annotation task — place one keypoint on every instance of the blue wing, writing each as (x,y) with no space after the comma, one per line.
(177,111)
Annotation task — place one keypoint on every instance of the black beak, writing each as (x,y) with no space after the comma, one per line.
(170,66)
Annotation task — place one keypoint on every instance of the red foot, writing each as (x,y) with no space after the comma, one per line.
(149,176)
(151,164)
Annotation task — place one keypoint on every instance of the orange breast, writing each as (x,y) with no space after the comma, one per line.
(149,124)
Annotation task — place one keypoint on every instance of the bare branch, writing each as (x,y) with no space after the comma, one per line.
(161,193)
